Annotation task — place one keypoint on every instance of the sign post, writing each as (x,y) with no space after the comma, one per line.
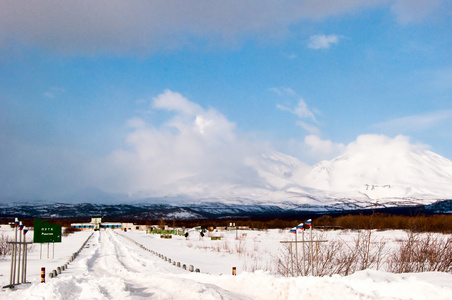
(45,232)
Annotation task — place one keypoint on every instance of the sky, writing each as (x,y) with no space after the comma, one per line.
(126,96)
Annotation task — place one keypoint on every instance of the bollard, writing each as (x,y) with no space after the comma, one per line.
(166,259)
(55,274)
(169,260)
(178,264)
(197,270)
(191,268)
(51,275)
(58,270)
(174,263)
(43,275)
(234,271)
(184,267)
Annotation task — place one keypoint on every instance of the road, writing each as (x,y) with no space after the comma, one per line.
(113,267)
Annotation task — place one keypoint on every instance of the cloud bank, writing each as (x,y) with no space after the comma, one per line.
(142,27)
(195,150)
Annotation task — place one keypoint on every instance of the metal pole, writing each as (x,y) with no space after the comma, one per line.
(12,267)
(16,223)
(26,264)
(20,250)
(40,251)
(296,250)
(304,267)
(312,256)
(48,249)
(291,257)
(316,261)
(24,249)
(24,257)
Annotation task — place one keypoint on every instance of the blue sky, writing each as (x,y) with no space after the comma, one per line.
(88,89)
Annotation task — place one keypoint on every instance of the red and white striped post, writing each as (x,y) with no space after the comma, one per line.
(43,275)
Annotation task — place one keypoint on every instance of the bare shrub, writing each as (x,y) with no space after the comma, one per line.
(422,253)
(284,261)
(256,264)
(5,248)
(240,247)
(333,257)
(226,247)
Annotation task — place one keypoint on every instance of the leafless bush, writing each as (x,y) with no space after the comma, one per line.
(256,264)
(422,253)
(284,261)
(5,248)
(240,247)
(226,246)
(332,257)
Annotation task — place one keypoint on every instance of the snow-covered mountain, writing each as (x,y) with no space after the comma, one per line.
(373,172)
(384,170)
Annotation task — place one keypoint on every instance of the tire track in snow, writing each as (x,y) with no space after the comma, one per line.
(118,267)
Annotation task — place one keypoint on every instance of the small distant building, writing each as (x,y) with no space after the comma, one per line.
(97,224)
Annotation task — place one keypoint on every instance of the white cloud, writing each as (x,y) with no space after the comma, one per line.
(309,128)
(381,145)
(410,11)
(322,41)
(283,91)
(194,151)
(301,110)
(323,148)
(143,26)
(175,102)
(415,123)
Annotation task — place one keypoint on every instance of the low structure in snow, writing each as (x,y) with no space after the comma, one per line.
(97,224)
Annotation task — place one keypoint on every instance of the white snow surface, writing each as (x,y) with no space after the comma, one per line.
(113,266)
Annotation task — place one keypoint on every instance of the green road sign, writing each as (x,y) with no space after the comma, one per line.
(45,232)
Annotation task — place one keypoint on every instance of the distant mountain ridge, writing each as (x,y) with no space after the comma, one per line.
(213,210)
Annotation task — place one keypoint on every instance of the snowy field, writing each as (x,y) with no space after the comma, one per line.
(124,265)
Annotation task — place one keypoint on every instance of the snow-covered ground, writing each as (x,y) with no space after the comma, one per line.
(124,265)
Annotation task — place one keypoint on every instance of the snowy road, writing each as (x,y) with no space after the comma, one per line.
(112,267)
(118,268)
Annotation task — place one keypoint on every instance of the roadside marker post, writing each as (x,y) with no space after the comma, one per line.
(17,248)
(43,275)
